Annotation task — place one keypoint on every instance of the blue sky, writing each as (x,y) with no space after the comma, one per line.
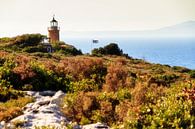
(33,16)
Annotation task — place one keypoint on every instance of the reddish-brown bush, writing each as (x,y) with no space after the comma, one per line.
(80,68)
(23,68)
(116,77)
(80,105)
(3,54)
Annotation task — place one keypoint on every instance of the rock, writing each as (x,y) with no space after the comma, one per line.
(29,105)
(47,93)
(2,124)
(30,93)
(59,94)
(35,111)
(44,102)
(24,117)
(57,97)
(96,126)
(49,108)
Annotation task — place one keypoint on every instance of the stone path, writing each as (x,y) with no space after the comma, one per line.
(45,111)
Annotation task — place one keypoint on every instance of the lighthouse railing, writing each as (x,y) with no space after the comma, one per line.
(53,27)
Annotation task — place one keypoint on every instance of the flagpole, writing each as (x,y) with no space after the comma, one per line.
(93,41)
(91,46)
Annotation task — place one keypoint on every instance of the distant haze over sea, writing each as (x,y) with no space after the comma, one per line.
(186,29)
(173,45)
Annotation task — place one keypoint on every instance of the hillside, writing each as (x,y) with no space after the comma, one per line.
(34,43)
(114,89)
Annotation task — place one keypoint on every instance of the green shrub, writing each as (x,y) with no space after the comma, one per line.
(47,79)
(98,51)
(85,85)
(6,91)
(25,43)
(66,49)
(164,79)
(123,94)
(111,49)
(42,55)
(169,113)
(2,61)
(192,73)
(28,40)
(32,49)
(84,121)
(181,69)
(7,74)
(5,40)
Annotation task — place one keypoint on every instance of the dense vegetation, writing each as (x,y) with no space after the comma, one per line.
(120,91)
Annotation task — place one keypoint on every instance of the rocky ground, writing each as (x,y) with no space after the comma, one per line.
(45,111)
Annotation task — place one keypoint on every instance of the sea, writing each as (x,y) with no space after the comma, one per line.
(170,51)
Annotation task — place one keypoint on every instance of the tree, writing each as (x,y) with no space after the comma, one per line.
(111,49)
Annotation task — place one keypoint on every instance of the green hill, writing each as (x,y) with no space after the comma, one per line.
(33,43)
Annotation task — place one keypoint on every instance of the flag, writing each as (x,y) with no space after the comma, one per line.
(95,40)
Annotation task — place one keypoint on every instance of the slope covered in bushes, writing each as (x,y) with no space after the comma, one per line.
(122,92)
(136,94)
(112,88)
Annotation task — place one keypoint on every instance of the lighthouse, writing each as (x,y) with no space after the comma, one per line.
(53,31)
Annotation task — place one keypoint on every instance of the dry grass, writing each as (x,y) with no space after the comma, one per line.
(13,108)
